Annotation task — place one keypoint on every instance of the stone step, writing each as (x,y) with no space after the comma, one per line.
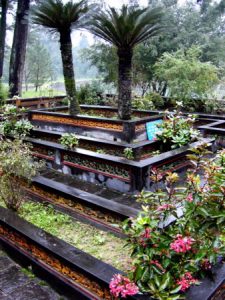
(103,211)
(80,274)
(15,284)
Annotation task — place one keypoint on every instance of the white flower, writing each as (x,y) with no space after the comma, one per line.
(179,103)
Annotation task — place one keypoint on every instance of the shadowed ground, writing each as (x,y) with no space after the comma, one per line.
(17,284)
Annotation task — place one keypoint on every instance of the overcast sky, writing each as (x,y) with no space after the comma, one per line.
(113,3)
(76,35)
(121,2)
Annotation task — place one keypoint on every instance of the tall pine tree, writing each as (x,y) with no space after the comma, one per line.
(18,51)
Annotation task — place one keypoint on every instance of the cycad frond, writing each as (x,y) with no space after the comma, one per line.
(127,27)
(57,16)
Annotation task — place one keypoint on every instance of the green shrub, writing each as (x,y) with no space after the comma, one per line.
(177,130)
(167,260)
(200,105)
(128,153)
(100,151)
(3,94)
(9,109)
(22,127)
(156,99)
(16,165)
(65,101)
(69,140)
(90,94)
(142,104)
(186,75)
(15,128)
(213,106)
(7,127)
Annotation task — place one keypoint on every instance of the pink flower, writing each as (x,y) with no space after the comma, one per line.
(186,281)
(146,234)
(164,207)
(189,198)
(181,244)
(206,265)
(121,286)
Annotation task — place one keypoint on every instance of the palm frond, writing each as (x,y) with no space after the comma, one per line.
(57,16)
(127,27)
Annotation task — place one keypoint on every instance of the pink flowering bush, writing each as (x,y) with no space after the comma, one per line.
(176,239)
(121,286)
(186,281)
(181,244)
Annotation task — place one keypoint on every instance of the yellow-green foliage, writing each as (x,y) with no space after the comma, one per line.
(186,75)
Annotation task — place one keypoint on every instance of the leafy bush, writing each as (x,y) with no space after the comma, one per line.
(212,106)
(19,128)
(65,101)
(16,165)
(177,130)
(186,75)
(156,99)
(167,260)
(100,151)
(142,104)
(12,110)
(90,94)
(3,94)
(22,127)
(199,105)
(9,109)
(69,140)
(128,153)
(7,127)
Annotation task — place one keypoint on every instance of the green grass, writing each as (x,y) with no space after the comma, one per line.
(41,93)
(100,244)
(28,272)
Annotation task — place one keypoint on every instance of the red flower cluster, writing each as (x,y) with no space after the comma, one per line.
(181,244)
(121,286)
(186,281)
(206,265)
(145,236)
(189,198)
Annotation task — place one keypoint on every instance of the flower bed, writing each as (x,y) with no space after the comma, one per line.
(178,237)
(140,150)
(74,271)
(103,127)
(115,172)
(101,212)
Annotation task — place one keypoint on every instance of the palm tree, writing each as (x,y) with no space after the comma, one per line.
(62,18)
(125,29)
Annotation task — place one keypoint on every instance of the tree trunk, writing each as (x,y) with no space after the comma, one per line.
(68,71)
(18,51)
(125,83)
(4,8)
(163,90)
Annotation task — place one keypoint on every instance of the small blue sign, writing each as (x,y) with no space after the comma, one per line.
(152,129)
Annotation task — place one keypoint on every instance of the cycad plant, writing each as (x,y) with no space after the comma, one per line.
(125,28)
(61,17)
